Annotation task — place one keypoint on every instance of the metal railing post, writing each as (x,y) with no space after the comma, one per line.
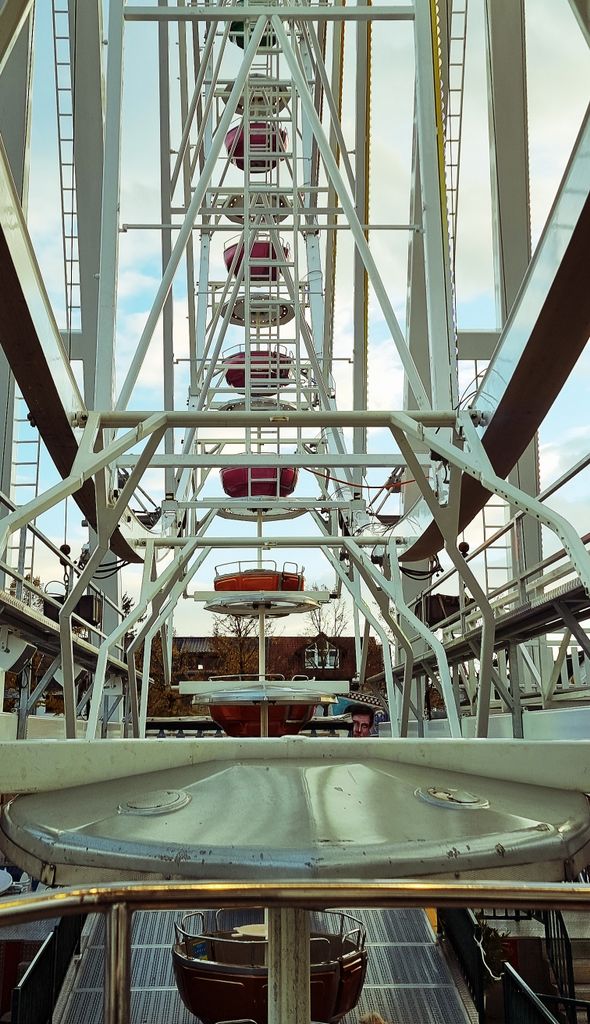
(117,993)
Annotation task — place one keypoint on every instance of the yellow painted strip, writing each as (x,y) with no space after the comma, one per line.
(368,172)
(438,108)
(431,915)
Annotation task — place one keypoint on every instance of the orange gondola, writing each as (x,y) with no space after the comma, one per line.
(252,577)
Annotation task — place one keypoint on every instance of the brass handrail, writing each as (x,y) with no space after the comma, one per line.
(311,895)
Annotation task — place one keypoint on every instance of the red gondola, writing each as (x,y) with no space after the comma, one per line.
(262,257)
(221,970)
(259,577)
(259,481)
(269,368)
(241,720)
(268,142)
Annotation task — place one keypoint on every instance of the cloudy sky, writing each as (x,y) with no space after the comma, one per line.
(558,70)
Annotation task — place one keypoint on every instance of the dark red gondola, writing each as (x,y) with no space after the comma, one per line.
(221,970)
(268,142)
(269,368)
(258,481)
(243,720)
(262,257)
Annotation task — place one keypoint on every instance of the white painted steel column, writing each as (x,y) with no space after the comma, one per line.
(86,56)
(289,1000)
(104,391)
(430,132)
(312,245)
(509,172)
(166,235)
(362,140)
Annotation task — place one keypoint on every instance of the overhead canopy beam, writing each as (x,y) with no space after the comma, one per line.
(13,15)
(547,330)
(581,9)
(32,343)
(316,13)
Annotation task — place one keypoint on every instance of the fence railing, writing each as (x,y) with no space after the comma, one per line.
(35,996)
(507,914)
(460,927)
(559,954)
(32,999)
(521,1005)
(580,1007)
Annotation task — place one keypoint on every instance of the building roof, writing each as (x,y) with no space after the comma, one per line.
(195,644)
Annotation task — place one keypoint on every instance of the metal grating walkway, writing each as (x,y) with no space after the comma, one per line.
(408,978)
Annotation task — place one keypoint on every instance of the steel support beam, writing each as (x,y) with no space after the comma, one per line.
(430,139)
(289,1000)
(13,17)
(286,12)
(508,134)
(86,51)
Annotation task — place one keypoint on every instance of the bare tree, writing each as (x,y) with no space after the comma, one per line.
(235,642)
(162,699)
(330,619)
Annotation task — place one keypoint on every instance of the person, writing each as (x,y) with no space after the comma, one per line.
(363,718)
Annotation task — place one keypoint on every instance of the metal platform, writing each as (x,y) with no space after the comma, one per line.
(301,809)
(408,979)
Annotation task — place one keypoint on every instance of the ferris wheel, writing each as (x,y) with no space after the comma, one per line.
(260,222)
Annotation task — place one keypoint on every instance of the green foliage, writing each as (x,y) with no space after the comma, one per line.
(493,946)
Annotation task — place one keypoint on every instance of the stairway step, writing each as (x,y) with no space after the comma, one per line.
(581,973)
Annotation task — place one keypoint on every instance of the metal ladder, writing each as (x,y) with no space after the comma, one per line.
(26,451)
(497,557)
(454,113)
(65,135)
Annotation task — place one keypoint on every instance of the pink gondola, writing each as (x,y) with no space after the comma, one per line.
(258,481)
(269,368)
(263,257)
(268,142)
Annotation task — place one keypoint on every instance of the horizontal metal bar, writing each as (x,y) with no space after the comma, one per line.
(256,596)
(266,543)
(296,418)
(269,504)
(397,12)
(384,893)
(310,228)
(198,461)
